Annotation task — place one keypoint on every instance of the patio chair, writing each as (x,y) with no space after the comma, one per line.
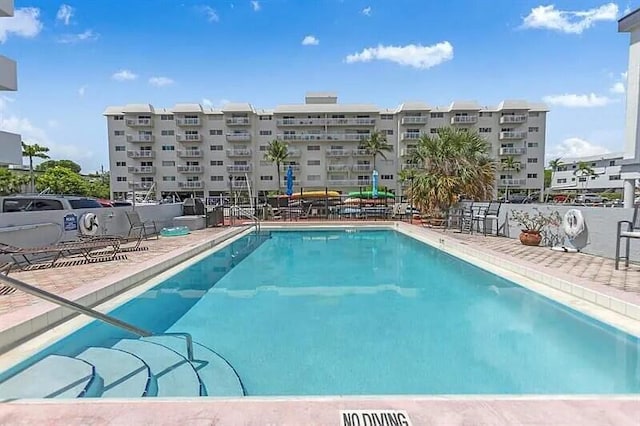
(460,217)
(123,240)
(137,225)
(488,214)
(627,229)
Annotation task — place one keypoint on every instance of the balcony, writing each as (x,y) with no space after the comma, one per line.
(238,153)
(408,152)
(191,184)
(189,138)
(350,121)
(140,185)
(238,137)
(361,153)
(515,166)
(140,170)
(464,119)
(409,166)
(512,135)
(284,122)
(347,137)
(239,168)
(416,119)
(362,167)
(411,136)
(141,154)
(238,121)
(338,167)
(294,167)
(302,137)
(513,151)
(513,119)
(239,184)
(513,182)
(190,169)
(338,152)
(188,122)
(139,122)
(293,153)
(140,138)
(346,182)
(190,153)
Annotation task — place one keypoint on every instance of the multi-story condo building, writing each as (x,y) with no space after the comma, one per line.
(606,173)
(10,144)
(195,150)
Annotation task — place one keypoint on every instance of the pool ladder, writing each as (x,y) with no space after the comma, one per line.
(237,212)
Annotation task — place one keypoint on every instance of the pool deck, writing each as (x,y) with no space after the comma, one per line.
(582,271)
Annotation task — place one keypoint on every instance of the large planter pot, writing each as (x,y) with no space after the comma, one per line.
(530,238)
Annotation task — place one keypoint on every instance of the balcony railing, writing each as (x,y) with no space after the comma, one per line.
(238,121)
(512,135)
(513,151)
(515,166)
(190,153)
(408,166)
(410,136)
(140,138)
(141,170)
(141,154)
(302,137)
(361,153)
(189,138)
(362,167)
(356,137)
(419,119)
(238,153)
(239,184)
(294,153)
(347,137)
(294,167)
(300,122)
(140,185)
(513,182)
(238,137)
(347,182)
(464,119)
(191,184)
(190,169)
(188,122)
(408,152)
(513,119)
(237,168)
(339,152)
(350,121)
(338,167)
(139,122)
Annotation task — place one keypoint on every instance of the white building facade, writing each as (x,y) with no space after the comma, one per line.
(607,174)
(195,150)
(10,143)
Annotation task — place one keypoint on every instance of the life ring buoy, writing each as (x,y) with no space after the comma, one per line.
(573,223)
(89,224)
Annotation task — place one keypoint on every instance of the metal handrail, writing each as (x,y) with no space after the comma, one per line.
(66,303)
(256,221)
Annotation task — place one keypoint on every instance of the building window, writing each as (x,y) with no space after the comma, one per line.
(216,163)
(166,117)
(612,163)
(121,179)
(562,180)
(313,162)
(313,178)
(532,144)
(532,160)
(388,132)
(168,163)
(168,148)
(313,147)
(118,117)
(266,117)
(532,175)
(266,177)
(215,132)
(120,148)
(215,147)
(485,114)
(437,115)
(484,130)
(265,132)
(534,114)
(614,177)
(169,178)
(386,116)
(216,178)
(433,131)
(534,129)
(263,148)
(167,133)
(121,163)
(582,179)
(386,177)
(118,133)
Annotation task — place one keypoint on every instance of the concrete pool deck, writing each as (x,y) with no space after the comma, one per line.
(577,275)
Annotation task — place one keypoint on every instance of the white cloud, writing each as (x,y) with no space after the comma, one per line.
(575,147)
(207,102)
(569,22)
(212,15)
(310,41)
(160,81)
(4,102)
(366,11)
(82,90)
(24,23)
(412,55)
(87,35)
(65,12)
(590,100)
(255,5)
(124,75)
(211,104)
(617,88)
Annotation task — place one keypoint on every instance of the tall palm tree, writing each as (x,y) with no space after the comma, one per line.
(452,164)
(509,163)
(376,145)
(33,151)
(277,152)
(584,170)
(554,165)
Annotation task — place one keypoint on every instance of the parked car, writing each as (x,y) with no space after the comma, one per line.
(589,198)
(33,203)
(519,199)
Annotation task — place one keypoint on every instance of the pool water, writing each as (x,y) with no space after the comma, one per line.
(377,312)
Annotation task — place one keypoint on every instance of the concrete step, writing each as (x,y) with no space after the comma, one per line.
(124,375)
(175,376)
(217,375)
(54,376)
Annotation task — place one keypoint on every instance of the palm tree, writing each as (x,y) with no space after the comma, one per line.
(277,152)
(509,163)
(554,165)
(376,145)
(584,170)
(452,164)
(33,151)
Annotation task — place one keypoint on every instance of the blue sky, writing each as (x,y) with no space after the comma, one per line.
(75,58)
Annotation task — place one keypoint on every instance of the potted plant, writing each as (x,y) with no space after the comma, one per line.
(534,224)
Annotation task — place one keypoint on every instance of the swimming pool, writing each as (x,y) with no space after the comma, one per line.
(361,312)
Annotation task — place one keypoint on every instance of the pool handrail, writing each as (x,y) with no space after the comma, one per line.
(69,304)
(243,212)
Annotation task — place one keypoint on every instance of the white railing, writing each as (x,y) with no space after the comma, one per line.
(338,152)
(513,182)
(239,184)
(408,166)
(190,153)
(192,121)
(190,169)
(419,119)
(361,153)
(513,151)
(516,166)
(407,152)
(140,138)
(338,167)
(141,185)
(294,153)
(347,136)
(191,184)
(513,135)
(301,137)
(141,154)
(362,167)
(238,121)
(411,136)
(238,137)
(141,169)
(363,121)
(300,122)
(189,138)
(239,168)
(239,153)
(347,182)
(139,122)
(294,167)
(464,119)
(513,119)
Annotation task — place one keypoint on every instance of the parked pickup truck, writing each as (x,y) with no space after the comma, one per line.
(36,203)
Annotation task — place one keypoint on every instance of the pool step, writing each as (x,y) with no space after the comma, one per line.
(124,375)
(54,376)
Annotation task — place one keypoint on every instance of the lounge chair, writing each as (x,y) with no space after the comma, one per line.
(137,225)
(627,229)
(90,249)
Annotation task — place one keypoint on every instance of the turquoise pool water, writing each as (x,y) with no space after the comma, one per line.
(376,312)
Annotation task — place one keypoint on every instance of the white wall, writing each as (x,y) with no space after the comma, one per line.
(8,74)
(10,148)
